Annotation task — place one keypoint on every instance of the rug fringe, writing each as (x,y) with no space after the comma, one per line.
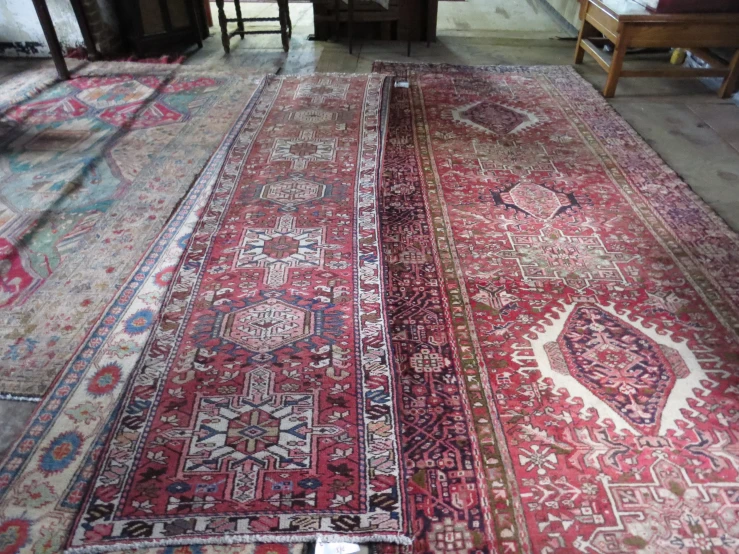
(20,398)
(402,540)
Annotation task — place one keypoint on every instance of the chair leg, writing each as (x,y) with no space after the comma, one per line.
(281,4)
(222,21)
(240,19)
(47,25)
(289,21)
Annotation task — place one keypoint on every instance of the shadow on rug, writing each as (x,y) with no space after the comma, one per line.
(90,170)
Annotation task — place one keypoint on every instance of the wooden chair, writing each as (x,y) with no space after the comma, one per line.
(286,26)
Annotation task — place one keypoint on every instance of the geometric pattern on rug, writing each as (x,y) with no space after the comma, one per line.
(568,307)
(263,408)
(90,170)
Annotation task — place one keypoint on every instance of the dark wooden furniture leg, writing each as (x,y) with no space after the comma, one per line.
(729,85)
(195,21)
(337,19)
(429,24)
(223,23)
(79,13)
(617,62)
(42,11)
(282,6)
(586,31)
(289,21)
(239,18)
(208,15)
(350,24)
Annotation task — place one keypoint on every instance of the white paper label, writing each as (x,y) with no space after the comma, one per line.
(336,548)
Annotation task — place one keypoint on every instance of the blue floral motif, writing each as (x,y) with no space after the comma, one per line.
(139,322)
(61,452)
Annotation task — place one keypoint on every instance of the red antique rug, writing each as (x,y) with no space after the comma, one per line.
(564,315)
(264,405)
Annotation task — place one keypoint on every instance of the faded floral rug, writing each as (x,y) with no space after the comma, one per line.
(264,405)
(90,171)
(44,478)
(564,316)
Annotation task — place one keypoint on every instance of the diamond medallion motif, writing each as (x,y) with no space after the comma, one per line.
(47,111)
(621,366)
(141,115)
(536,200)
(249,433)
(628,373)
(268,325)
(495,118)
(579,260)
(280,249)
(292,192)
(325,89)
(306,148)
(110,95)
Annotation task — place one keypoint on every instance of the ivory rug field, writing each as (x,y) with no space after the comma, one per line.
(263,408)
(563,313)
(90,170)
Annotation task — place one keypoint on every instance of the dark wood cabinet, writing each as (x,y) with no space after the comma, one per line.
(404,19)
(153,26)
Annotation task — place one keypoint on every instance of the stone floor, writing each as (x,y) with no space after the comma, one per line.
(686,123)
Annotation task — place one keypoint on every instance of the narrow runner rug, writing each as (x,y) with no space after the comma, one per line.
(563,312)
(264,405)
(90,171)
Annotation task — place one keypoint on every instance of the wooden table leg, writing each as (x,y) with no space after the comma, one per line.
(617,63)
(586,30)
(42,11)
(728,87)
(223,22)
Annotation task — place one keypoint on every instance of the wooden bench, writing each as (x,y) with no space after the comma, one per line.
(629,25)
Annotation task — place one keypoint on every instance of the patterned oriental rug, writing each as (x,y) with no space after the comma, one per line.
(263,408)
(90,171)
(563,312)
